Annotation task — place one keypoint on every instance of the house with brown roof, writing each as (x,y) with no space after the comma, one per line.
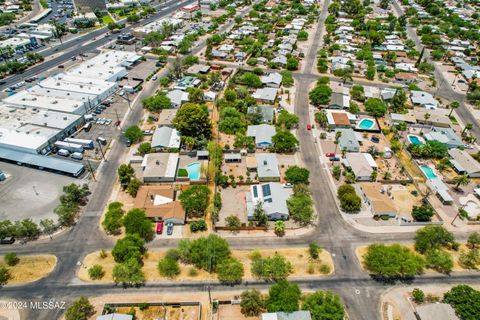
(340,118)
(377,199)
(160,204)
(406,77)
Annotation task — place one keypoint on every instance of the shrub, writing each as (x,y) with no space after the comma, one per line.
(96,272)
(168,267)
(418,295)
(314,250)
(11,259)
(324,268)
(199,225)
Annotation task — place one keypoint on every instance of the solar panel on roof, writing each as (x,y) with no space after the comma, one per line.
(266,190)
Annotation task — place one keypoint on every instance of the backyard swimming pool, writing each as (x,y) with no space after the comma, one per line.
(366,124)
(194,171)
(428,172)
(415,139)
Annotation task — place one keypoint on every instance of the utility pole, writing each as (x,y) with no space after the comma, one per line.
(101,150)
(89,166)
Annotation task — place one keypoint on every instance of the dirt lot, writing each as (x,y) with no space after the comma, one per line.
(231,312)
(30,268)
(159,312)
(404,199)
(299,258)
(233,203)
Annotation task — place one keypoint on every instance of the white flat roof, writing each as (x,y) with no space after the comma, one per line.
(14,42)
(77,84)
(59,93)
(39,131)
(11,138)
(27,99)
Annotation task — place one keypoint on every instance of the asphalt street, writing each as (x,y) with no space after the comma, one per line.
(360,293)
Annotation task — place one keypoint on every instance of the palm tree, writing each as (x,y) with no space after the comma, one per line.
(468,127)
(189,142)
(426,116)
(59,29)
(338,134)
(279,228)
(462,179)
(453,105)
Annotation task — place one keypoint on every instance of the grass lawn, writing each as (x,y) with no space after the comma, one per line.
(453,119)
(298,257)
(30,268)
(106,19)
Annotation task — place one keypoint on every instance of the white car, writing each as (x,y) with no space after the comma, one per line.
(154,77)
(288,185)
(121,93)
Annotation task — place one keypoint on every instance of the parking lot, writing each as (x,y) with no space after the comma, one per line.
(30,193)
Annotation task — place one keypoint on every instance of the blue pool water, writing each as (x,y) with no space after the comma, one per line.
(428,172)
(415,140)
(194,171)
(366,124)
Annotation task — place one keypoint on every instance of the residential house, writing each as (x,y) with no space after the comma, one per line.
(406,77)
(340,118)
(406,67)
(160,204)
(265,95)
(198,68)
(361,164)
(280,60)
(267,167)
(339,101)
(447,136)
(265,113)
(464,163)
(159,167)
(272,80)
(295,315)
(348,141)
(165,138)
(388,93)
(187,82)
(177,98)
(403,117)
(209,96)
(377,199)
(437,118)
(273,198)
(263,134)
(423,99)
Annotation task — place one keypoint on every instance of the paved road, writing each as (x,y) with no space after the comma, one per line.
(332,232)
(90,41)
(444,88)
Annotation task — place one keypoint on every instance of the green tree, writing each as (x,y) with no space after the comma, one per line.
(125,174)
(274,268)
(251,80)
(470,259)
(135,222)
(432,237)
(195,95)
(300,206)
(230,271)
(233,222)
(422,213)
(302,35)
(375,107)
(284,141)
(259,215)
(113,218)
(283,297)
(26,229)
(439,260)
(134,134)
(392,261)
(418,295)
(453,105)
(324,305)
(132,246)
(287,120)
(168,267)
(129,273)
(204,253)
(314,250)
(195,200)
(399,100)
(157,102)
(190,60)
(465,300)
(279,228)
(320,95)
(351,202)
(357,92)
(11,259)
(252,303)
(461,179)
(292,63)
(473,241)
(80,309)
(4,275)
(145,148)
(96,272)
(133,186)
(296,174)
(193,120)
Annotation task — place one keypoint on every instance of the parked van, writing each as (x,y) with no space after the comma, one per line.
(77,156)
(63,153)
(102,140)
(87,127)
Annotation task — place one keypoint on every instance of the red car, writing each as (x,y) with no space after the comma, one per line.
(309,127)
(159,227)
(329,155)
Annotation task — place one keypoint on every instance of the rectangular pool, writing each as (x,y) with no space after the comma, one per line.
(428,172)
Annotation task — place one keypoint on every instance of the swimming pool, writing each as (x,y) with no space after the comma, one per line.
(428,172)
(194,171)
(415,139)
(366,124)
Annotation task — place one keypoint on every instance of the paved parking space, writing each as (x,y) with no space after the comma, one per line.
(30,193)
(177,233)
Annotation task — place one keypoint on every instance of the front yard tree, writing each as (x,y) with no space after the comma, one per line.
(422,213)
(283,297)
(251,80)
(292,63)
(125,174)
(433,237)
(287,120)
(465,300)
(474,240)
(230,271)
(233,222)
(193,120)
(157,102)
(205,252)
(252,303)
(259,215)
(392,261)
(168,267)
(375,107)
(134,134)
(129,273)
(439,260)
(296,174)
(324,305)
(4,275)
(300,206)
(284,141)
(195,200)
(320,95)
(273,268)
(132,246)
(135,222)
(461,179)
(80,309)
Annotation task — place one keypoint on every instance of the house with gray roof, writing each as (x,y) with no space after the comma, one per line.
(280,59)
(273,80)
(267,95)
(447,136)
(165,138)
(296,315)
(263,134)
(339,101)
(273,198)
(264,112)
(348,140)
(464,163)
(177,98)
(423,99)
(159,167)
(361,164)
(267,167)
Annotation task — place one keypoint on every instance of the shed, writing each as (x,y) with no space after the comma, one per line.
(232,157)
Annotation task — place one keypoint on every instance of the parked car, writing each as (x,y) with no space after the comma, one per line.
(159,227)
(77,156)
(334,159)
(7,240)
(154,77)
(169,228)
(329,155)
(309,126)
(375,139)
(147,132)
(287,185)
(152,118)
(63,153)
